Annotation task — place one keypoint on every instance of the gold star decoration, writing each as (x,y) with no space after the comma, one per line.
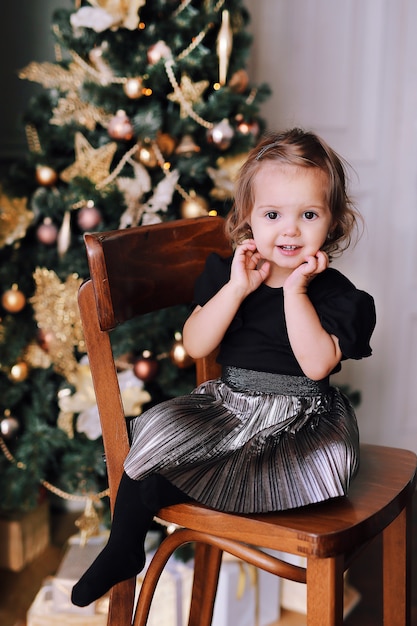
(92,163)
(72,108)
(56,312)
(14,219)
(189,93)
(52,75)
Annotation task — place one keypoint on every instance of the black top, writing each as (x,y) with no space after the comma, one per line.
(257,338)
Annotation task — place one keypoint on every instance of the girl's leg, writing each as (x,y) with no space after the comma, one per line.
(124,556)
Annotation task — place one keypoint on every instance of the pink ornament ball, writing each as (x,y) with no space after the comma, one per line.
(47,232)
(89,217)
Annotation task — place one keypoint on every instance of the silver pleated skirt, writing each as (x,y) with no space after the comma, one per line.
(250,442)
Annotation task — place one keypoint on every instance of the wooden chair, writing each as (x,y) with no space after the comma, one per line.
(143,269)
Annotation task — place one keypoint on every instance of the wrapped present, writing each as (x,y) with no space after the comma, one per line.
(236,593)
(246,595)
(76,560)
(171,602)
(294,595)
(42,612)
(269,595)
(23,537)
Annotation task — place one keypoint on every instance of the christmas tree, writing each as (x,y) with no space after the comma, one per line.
(146,115)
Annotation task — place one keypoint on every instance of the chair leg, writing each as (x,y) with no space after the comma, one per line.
(325,591)
(206,576)
(121,605)
(397,570)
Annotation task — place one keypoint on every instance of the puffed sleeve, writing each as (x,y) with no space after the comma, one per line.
(215,274)
(346,312)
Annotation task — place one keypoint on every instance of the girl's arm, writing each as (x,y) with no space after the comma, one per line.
(205,328)
(316,351)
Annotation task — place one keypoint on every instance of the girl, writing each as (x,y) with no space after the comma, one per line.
(271,434)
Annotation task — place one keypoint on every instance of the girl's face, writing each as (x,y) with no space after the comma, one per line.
(290,218)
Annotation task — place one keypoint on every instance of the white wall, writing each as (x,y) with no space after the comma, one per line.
(348,71)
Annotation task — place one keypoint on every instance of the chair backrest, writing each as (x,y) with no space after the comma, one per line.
(132,272)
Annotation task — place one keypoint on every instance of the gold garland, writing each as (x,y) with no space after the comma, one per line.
(88,523)
(55,490)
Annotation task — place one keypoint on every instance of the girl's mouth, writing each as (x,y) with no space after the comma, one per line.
(288,250)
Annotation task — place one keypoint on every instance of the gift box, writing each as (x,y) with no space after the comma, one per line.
(76,560)
(269,595)
(43,613)
(246,595)
(236,593)
(171,602)
(294,595)
(23,537)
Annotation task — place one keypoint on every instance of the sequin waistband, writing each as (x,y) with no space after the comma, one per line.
(240,379)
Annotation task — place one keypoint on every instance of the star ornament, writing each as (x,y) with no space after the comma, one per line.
(15,218)
(92,163)
(188,94)
(72,108)
(56,312)
(54,76)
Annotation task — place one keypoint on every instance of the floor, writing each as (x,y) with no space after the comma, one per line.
(17,590)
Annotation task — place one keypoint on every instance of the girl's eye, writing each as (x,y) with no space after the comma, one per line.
(310,215)
(272,215)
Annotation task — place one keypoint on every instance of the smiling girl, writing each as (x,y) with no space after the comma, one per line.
(271,433)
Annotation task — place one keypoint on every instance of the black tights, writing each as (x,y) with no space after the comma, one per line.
(123,557)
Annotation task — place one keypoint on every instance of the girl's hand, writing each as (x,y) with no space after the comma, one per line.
(248,270)
(300,278)
(205,328)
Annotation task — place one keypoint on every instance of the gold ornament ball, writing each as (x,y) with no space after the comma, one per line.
(133,88)
(19,372)
(239,82)
(46,175)
(13,300)
(178,354)
(194,206)
(146,155)
(166,143)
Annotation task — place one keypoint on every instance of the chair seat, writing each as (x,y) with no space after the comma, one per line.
(378,493)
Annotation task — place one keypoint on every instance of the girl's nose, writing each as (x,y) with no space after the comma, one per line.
(290,228)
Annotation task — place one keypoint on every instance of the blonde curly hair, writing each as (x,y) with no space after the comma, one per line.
(305,149)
